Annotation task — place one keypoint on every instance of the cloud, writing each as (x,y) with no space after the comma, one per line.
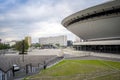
(3,30)
(38,18)
(48,29)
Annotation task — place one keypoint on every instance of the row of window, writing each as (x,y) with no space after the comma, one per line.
(107,12)
(99,48)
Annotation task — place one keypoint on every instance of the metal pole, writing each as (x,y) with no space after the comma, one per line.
(13,71)
(23,46)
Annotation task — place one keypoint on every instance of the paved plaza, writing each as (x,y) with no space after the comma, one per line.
(36,59)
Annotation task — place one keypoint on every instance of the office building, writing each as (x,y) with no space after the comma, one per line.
(28,40)
(61,40)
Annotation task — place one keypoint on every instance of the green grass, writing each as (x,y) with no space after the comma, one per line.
(113,76)
(79,70)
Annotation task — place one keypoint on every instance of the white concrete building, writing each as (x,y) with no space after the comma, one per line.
(98,27)
(11,43)
(62,40)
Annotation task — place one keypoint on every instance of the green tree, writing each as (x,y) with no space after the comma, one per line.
(37,45)
(4,46)
(22,46)
(58,45)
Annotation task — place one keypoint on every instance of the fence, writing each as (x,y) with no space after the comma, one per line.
(31,64)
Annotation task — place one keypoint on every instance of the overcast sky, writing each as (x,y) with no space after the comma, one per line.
(38,18)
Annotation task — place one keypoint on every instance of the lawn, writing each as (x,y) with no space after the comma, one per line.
(80,70)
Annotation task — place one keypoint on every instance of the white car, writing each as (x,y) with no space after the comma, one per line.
(16,67)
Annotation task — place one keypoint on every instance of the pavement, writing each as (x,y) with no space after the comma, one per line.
(71,54)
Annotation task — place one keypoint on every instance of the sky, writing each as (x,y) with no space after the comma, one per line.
(38,18)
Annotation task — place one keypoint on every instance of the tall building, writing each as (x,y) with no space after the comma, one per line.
(98,26)
(0,40)
(61,40)
(28,40)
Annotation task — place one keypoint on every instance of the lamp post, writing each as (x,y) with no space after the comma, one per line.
(23,50)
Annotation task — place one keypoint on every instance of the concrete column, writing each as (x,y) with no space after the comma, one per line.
(0,75)
(4,76)
(26,69)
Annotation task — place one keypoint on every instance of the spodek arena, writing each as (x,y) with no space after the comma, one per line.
(98,26)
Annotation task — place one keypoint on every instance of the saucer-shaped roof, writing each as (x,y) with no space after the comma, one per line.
(96,23)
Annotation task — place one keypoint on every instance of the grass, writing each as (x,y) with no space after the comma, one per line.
(79,70)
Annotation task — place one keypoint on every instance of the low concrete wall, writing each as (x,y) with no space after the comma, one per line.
(74,53)
(109,55)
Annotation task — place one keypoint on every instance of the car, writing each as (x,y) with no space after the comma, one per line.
(16,67)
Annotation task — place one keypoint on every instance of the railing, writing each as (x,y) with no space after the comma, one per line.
(30,66)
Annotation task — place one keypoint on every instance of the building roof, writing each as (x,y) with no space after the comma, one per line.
(96,23)
(92,10)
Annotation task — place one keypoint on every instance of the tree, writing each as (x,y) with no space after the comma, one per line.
(4,46)
(57,44)
(22,46)
(36,45)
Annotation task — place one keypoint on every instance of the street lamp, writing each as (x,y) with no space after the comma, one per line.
(23,49)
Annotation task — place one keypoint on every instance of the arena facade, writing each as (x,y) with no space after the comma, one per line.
(98,26)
